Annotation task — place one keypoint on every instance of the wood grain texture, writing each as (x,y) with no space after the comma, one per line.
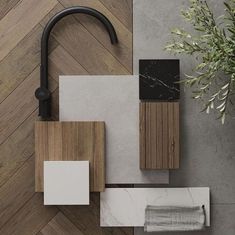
(31,217)
(16,191)
(9,25)
(120,51)
(89,53)
(59,66)
(17,148)
(87,218)
(17,108)
(6,6)
(21,24)
(71,141)
(159,135)
(12,72)
(60,225)
(122,9)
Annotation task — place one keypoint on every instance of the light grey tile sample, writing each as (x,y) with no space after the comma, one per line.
(207,147)
(126,206)
(222,222)
(66,183)
(113,99)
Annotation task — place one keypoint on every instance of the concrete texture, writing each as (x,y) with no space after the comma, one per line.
(207,147)
(115,100)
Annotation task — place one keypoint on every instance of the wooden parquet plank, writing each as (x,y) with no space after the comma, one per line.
(17,148)
(62,63)
(122,9)
(30,218)
(84,48)
(20,145)
(87,219)
(20,62)
(58,7)
(16,191)
(6,6)
(60,225)
(20,21)
(121,51)
(19,105)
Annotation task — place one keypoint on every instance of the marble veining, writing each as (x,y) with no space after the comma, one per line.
(159,80)
(115,100)
(126,206)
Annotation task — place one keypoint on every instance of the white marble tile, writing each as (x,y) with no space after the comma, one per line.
(115,100)
(126,206)
(66,182)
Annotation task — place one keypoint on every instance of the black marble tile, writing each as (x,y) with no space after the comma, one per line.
(159,79)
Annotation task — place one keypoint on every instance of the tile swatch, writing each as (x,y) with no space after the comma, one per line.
(159,80)
(114,100)
(66,183)
(126,206)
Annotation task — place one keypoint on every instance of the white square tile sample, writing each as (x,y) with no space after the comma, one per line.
(66,183)
(120,207)
(115,100)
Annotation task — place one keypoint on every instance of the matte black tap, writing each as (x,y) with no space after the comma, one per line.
(42,93)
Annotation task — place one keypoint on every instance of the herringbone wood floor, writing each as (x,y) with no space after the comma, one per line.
(79,45)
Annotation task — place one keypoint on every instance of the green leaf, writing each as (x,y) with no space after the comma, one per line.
(223,118)
(213,46)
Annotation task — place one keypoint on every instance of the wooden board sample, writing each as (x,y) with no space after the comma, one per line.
(71,141)
(159,135)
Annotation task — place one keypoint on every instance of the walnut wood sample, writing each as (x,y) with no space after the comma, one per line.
(71,141)
(159,135)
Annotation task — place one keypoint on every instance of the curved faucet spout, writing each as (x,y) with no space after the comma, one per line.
(42,93)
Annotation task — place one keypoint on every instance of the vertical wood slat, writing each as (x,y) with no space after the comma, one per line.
(71,141)
(148,136)
(153,127)
(170,117)
(165,143)
(142,111)
(176,135)
(159,135)
(159,147)
(99,153)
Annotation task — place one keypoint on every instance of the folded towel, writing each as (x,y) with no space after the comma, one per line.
(174,218)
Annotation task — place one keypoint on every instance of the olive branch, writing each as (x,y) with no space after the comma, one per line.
(213,44)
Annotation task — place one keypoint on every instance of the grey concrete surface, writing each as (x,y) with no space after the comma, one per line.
(115,100)
(207,147)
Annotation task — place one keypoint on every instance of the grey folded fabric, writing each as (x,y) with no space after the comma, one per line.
(174,218)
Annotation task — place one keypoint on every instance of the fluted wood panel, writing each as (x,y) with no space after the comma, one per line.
(159,135)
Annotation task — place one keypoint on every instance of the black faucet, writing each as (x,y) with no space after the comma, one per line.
(42,93)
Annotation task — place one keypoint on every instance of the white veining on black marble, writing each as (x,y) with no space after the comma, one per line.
(159,80)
